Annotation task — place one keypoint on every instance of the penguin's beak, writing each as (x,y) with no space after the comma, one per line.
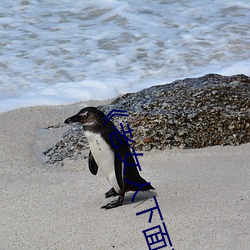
(74,118)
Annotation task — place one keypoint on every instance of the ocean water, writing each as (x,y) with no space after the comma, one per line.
(61,52)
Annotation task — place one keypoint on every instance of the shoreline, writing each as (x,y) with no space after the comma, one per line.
(203,193)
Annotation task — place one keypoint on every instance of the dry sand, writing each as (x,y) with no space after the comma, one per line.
(203,194)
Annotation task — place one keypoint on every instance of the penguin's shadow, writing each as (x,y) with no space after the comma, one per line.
(140,198)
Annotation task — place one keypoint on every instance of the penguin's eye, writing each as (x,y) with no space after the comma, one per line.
(84,115)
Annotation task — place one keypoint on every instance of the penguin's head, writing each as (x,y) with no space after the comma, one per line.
(89,117)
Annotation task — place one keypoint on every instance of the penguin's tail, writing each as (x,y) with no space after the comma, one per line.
(138,184)
(146,185)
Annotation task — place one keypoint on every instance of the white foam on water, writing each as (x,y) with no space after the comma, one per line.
(61,52)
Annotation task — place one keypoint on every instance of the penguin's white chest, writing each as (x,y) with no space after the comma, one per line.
(104,157)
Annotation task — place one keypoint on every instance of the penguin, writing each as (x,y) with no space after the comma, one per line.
(103,155)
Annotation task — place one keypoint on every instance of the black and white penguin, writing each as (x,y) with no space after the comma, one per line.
(103,155)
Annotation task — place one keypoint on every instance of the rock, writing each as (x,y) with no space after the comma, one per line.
(190,113)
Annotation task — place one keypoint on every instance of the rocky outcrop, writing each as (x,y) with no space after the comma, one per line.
(190,113)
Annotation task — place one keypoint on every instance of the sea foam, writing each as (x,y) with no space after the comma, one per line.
(63,52)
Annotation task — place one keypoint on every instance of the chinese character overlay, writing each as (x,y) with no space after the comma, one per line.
(128,164)
(151,211)
(155,237)
(113,113)
(141,185)
(123,134)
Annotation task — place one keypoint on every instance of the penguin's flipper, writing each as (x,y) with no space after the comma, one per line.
(113,204)
(111,193)
(93,167)
(118,167)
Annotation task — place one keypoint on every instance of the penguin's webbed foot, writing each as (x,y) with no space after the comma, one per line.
(113,204)
(111,193)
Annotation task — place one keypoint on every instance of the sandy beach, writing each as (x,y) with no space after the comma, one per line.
(203,194)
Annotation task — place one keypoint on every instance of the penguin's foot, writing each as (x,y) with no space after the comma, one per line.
(113,204)
(111,193)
